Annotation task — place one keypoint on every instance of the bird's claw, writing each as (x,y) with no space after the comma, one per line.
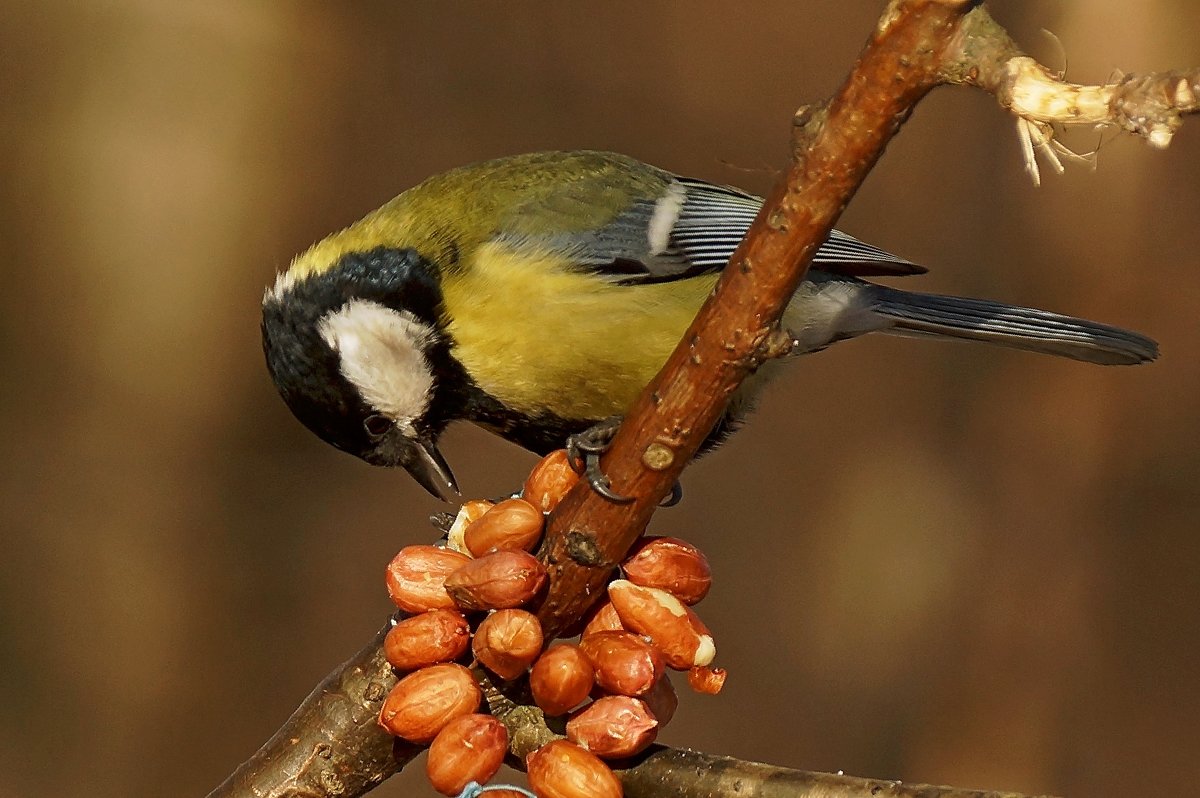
(674,498)
(584,450)
(599,482)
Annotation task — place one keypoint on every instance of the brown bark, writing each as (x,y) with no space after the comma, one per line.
(693,774)
(331,745)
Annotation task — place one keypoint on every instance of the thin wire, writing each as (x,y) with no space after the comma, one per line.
(474,789)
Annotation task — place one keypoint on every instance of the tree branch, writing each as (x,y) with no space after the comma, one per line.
(332,747)
(692,774)
(332,744)
(833,149)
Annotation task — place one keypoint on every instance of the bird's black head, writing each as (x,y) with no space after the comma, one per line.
(356,352)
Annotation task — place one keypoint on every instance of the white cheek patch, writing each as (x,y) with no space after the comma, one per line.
(382,355)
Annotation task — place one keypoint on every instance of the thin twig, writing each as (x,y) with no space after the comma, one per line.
(1152,106)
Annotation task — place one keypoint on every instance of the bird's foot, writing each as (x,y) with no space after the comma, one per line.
(584,450)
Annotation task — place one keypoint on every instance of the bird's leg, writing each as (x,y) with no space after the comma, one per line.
(584,450)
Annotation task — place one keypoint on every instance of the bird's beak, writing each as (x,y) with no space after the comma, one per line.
(431,470)
(421,459)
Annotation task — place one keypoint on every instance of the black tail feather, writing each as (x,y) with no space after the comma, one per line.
(1012,326)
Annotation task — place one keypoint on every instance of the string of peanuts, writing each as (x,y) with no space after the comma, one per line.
(463,600)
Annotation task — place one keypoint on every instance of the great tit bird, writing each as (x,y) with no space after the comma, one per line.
(536,295)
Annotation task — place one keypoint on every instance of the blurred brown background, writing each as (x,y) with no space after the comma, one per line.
(935,562)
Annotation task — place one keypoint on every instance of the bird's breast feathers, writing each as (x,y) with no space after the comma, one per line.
(541,335)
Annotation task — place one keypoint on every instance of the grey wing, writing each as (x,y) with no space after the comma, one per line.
(714,219)
(691,227)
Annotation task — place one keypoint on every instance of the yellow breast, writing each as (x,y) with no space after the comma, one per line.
(541,337)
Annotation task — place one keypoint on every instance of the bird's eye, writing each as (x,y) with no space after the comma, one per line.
(376,425)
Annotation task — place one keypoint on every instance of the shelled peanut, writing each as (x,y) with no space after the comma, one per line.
(425,701)
(645,626)
(561,679)
(469,748)
(562,769)
(507,642)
